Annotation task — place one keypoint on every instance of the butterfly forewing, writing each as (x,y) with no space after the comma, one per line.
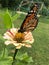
(31,25)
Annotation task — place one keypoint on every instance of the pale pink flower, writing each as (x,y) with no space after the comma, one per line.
(18,39)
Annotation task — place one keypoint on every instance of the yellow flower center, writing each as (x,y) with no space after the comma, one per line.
(19,37)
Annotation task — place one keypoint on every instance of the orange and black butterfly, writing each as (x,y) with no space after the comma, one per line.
(31,20)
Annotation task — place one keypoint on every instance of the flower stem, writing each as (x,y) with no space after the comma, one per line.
(16,50)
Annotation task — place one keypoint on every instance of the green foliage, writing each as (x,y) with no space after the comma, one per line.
(46,2)
(1,38)
(4,58)
(48,13)
(5,61)
(4,53)
(7,20)
(11,4)
(24,57)
(44,11)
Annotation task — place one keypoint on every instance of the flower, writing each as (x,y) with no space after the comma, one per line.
(18,39)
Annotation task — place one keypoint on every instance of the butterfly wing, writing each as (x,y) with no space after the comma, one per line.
(31,20)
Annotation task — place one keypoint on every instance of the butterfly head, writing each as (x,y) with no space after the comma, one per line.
(35,7)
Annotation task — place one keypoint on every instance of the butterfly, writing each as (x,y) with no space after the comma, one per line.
(31,20)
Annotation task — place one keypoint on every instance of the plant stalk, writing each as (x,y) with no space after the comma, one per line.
(16,50)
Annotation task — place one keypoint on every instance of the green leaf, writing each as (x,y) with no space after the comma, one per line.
(4,53)
(15,17)
(29,59)
(24,57)
(7,20)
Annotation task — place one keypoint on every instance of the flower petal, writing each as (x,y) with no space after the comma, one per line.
(28,37)
(6,36)
(27,45)
(14,30)
(11,42)
(18,47)
(15,44)
(9,35)
(7,42)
